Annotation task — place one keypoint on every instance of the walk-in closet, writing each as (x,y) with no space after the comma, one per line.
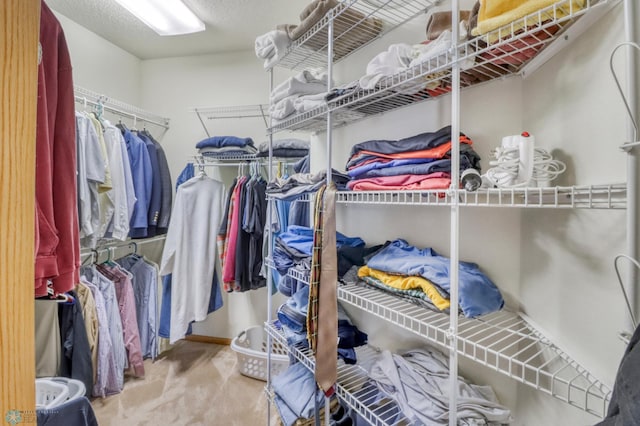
(319,212)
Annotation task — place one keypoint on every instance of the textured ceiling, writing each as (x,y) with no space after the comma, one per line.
(232,25)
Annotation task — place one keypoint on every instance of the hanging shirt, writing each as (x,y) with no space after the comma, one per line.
(145,290)
(127,309)
(190,250)
(105,189)
(155,198)
(91,173)
(167,190)
(57,241)
(111,362)
(90,315)
(142,183)
(118,226)
(229,267)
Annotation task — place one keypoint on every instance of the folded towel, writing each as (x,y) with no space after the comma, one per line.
(497,13)
(309,102)
(249,149)
(283,108)
(289,143)
(310,16)
(221,141)
(307,82)
(272,46)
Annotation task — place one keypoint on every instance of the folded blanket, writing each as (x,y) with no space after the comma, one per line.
(384,163)
(289,143)
(272,46)
(417,169)
(432,181)
(307,82)
(221,141)
(494,14)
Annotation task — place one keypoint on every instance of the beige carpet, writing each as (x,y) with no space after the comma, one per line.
(191,384)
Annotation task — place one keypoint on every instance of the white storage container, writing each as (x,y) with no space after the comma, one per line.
(250,347)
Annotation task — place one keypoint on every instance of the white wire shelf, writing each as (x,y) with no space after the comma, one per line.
(316,120)
(226,112)
(293,273)
(569,197)
(510,52)
(356,23)
(502,341)
(350,384)
(95,99)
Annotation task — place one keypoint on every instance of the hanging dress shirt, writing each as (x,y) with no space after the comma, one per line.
(190,250)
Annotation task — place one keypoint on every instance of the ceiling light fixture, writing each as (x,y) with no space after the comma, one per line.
(165,17)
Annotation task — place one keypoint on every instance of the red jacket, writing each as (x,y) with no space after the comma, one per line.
(57,240)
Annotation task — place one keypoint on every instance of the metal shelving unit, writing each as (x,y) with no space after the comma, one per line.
(481,62)
(571,197)
(357,23)
(351,383)
(503,341)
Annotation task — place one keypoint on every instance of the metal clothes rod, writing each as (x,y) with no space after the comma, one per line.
(88,97)
(112,246)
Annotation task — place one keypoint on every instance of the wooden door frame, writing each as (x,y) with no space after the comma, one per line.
(19,34)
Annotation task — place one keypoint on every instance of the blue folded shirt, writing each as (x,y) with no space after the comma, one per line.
(222,141)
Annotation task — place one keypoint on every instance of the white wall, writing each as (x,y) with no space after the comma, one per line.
(567,282)
(101,66)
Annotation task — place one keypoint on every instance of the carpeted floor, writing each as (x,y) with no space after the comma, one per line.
(191,384)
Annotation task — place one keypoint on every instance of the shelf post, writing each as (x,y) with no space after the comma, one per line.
(269,229)
(633,183)
(455,215)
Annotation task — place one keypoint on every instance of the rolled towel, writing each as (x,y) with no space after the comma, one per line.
(271,46)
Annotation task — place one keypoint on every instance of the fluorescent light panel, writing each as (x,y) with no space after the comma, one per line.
(165,17)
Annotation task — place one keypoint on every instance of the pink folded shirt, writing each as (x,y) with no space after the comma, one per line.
(439,180)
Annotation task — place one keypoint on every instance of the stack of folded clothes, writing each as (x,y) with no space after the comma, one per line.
(294,186)
(300,93)
(422,276)
(420,162)
(294,247)
(285,148)
(221,147)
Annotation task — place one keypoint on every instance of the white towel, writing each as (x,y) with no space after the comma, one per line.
(309,102)
(394,60)
(283,108)
(308,82)
(271,46)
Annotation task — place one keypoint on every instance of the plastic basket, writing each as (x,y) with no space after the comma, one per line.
(50,394)
(250,347)
(77,389)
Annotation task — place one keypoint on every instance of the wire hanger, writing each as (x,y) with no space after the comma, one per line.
(624,98)
(624,292)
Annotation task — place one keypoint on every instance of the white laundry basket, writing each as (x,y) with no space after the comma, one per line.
(54,391)
(250,347)
(50,394)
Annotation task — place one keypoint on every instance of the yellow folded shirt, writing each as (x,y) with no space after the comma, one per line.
(403,282)
(494,14)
